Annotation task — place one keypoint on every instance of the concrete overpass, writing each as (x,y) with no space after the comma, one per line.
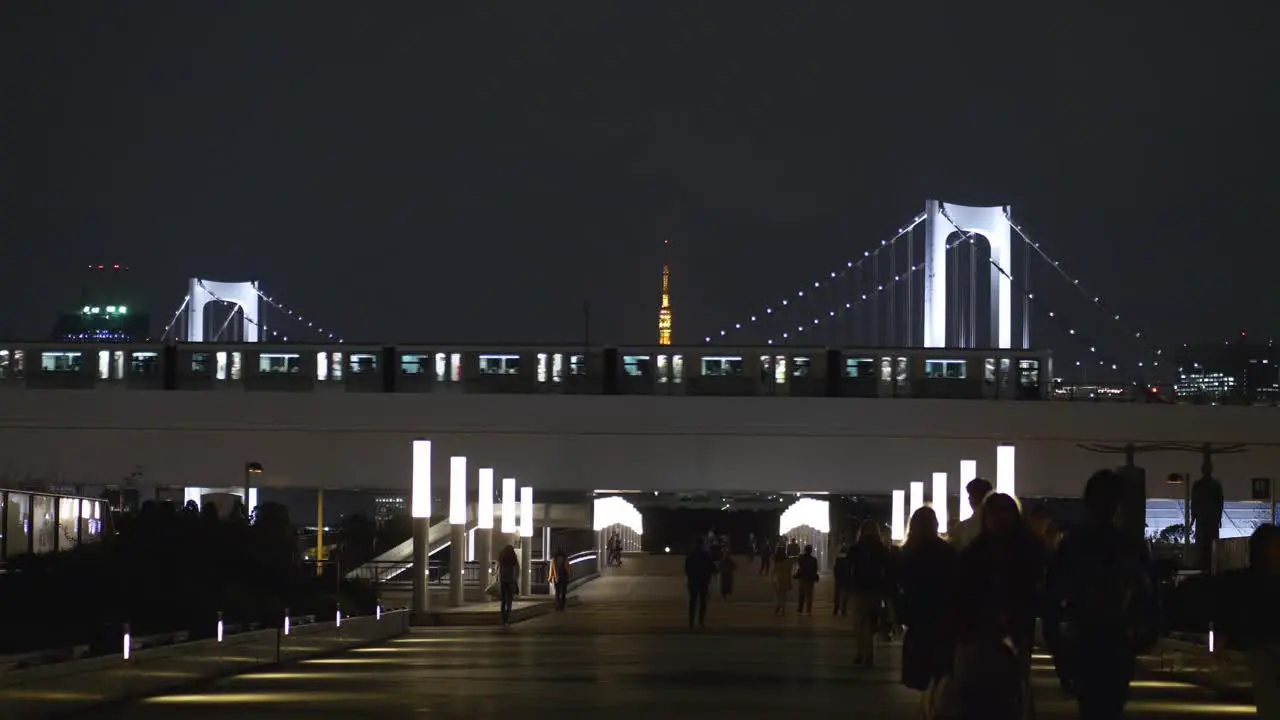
(572,442)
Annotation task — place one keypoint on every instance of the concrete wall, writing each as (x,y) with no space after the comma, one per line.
(75,685)
(361,440)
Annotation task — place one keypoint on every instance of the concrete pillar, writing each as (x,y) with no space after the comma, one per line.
(484,556)
(421,594)
(526,566)
(457,556)
(546,542)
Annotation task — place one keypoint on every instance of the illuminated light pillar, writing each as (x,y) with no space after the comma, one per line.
(917,499)
(898,523)
(484,527)
(940,500)
(457,528)
(420,509)
(968,471)
(526,540)
(510,512)
(1005,479)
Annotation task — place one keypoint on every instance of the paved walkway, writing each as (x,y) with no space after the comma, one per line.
(624,653)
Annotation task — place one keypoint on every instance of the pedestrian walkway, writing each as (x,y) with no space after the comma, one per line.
(625,653)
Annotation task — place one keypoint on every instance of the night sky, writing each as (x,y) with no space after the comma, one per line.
(407,171)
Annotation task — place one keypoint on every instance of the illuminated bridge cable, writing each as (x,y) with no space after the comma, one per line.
(1053,315)
(298,317)
(1156,353)
(828,282)
(174,320)
(836,313)
(1095,299)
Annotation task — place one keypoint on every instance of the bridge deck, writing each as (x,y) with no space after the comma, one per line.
(624,653)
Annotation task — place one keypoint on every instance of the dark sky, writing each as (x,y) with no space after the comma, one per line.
(410,171)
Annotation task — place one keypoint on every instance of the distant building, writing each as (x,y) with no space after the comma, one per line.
(387,506)
(664,305)
(1239,372)
(104,314)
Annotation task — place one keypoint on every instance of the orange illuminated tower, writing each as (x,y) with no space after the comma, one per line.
(664,310)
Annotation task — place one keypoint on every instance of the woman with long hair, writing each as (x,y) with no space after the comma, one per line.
(872,585)
(928,563)
(993,608)
(508,582)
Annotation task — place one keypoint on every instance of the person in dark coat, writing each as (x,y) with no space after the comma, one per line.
(928,563)
(698,569)
(870,560)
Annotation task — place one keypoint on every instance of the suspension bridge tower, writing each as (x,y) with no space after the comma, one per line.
(664,308)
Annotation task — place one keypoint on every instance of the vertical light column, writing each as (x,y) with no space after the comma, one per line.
(940,500)
(484,525)
(1005,481)
(526,540)
(457,528)
(968,471)
(510,515)
(420,509)
(898,521)
(917,499)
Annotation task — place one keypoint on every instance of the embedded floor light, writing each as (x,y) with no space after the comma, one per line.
(940,500)
(968,471)
(219,627)
(808,512)
(898,523)
(917,498)
(484,505)
(614,510)
(509,518)
(526,512)
(1005,456)
(421,498)
(457,490)
(128,641)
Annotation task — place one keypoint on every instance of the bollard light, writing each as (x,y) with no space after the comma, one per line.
(458,490)
(484,503)
(917,499)
(898,522)
(1005,456)
(940,500)
(337,617)
(420,500)
(526,512)
(219,627)
(286,621)
(377,612)
(128,641)
(509,518)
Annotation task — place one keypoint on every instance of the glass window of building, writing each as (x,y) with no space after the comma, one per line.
(68,523)
(144,364)
(279,363)
(722,366)
(800,367)
(200,363)
(322,366)
(104,364)
(363,363)
(499,364)
(1029,373)
(61,361)
(859,367)
(945,369)
(577,364)
(636,366)
(17,526)
(414,364)
(335,366)
(44,527)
